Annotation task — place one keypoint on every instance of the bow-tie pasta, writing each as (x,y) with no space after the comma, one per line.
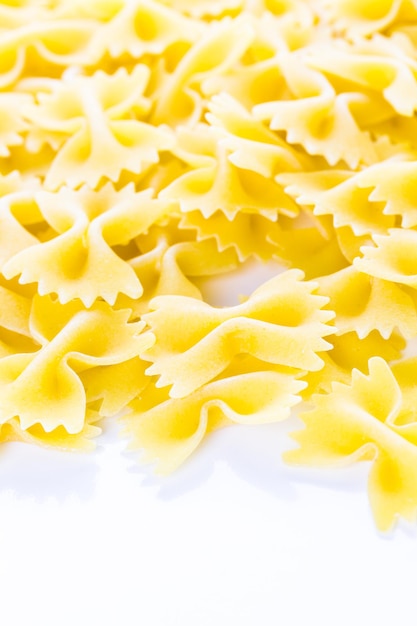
(98,121)
(149,147)
(368,419)
(281,323)
(170,429)
(43,386)
(80,261)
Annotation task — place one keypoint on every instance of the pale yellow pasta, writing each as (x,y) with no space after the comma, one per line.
(313,250)
(251,145)
(348,352)
(249,84)
(362,65)
(17,210)
(170,429)
(205,8)
(44,387)
(221,186)
(359,422)
(350,244)
(169,263)
(393,184)
(145,27)
(350,205)
(15,334)
(281,323)
(146,145)
(12,125)
(363,17)
(186,260)
(316,117)
(214,53)
(307,187)
(43,45)
(61,42)
(57,438)
(248,234)
(79,262)
(115,386)
(394,257)
(91,113)
(364,304)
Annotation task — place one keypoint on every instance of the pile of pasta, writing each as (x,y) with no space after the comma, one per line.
(146,145)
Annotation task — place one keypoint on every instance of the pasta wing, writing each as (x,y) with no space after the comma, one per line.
(169,430)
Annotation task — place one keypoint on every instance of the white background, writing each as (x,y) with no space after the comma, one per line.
(233,538)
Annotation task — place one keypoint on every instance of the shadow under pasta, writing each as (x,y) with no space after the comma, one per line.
(37,473)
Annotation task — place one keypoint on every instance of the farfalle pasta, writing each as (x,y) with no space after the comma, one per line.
(359,17)
(247,234)
(170,429)
(144,27)
(365,65)
(364,304)
(220,47)
(79,261)
(316,117)
(363,421)
(281,323)
(91,115)
(252,146)
(149,145)
(43,386)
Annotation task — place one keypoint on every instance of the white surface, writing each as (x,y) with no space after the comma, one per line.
(234,538)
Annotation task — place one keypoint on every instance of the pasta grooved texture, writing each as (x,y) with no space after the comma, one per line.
(147,146)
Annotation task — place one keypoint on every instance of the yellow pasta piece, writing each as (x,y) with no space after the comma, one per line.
(148,144)
(218,49)
(205,8)
(42,44)
(80,262)
(115,385)
(247,234)
(363,17)
(316,253)
(364,304)
(91,112)
(350,206)
(44,387)
(145,27)
(169,430)
(258,82)
(307,188)
(15,334)
(171,267)
(12,125)
(393,183)
(317,118)
(386,74)
(281,323)
(223,186)
(251,145)
(358,422)
(18,212)
(394,257)
(61,43)
(349,351)
(57,438)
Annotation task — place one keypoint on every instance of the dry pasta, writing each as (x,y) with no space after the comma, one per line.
(146,145)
